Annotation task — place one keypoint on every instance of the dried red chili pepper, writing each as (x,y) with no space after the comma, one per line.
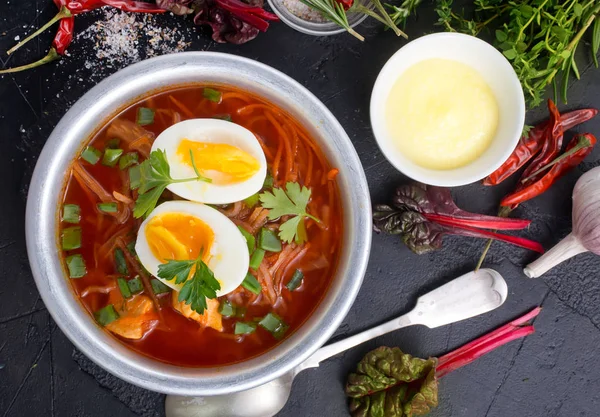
(530,145)
(538,182)
(64,35)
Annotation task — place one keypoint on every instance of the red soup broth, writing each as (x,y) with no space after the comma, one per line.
(292,155)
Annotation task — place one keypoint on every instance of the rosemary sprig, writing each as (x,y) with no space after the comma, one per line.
(333,11)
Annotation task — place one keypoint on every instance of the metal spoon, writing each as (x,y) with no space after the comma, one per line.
(467,296)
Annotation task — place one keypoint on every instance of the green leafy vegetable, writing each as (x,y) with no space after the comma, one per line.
(76,266)
(71,213)
(250,240)
(251,201)
(274,324)
(71,238)
(291,202)
(268,241)
(111,157)
(155,176)
(257,258)
(135,285)
(538,37)
(113,143)
(106,315)
(145,116)
(135,177)
(91,155)
(120,263)
(201,284)
(390,383)
(226,309)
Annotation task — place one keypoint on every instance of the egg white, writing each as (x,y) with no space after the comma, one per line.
(229,259)
(211,131)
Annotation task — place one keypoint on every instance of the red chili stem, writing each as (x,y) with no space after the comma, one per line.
(62,13)
(484,222)
(466,354)
(515,240)
(52,55)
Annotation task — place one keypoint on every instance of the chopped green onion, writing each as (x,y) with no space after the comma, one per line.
(251,284)
(268,181)
(71,238)
(71,213)
(122,283)
(296,280)
(240,312)
(226,117)
(131,247)
(106,315)
(111,157)
(251,201)
(145,116)
(76,266)
(268,240)
(112,143)
(226,309)
(250,240)
(135,177)
(158,287)
(257,258)
(129,159)
(120,262)
(135,285)
(273,323)
(212,95)
(91,155)
(107,207)
(244,328)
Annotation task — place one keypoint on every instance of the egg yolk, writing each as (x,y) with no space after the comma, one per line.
(179,236)
(234,164)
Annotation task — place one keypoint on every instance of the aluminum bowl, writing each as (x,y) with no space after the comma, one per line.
(98,106)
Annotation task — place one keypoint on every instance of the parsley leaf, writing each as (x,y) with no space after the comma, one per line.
(201,285)
(155,177)
(289,202)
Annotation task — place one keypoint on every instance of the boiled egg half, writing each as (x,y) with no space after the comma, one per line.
(226,153)
(181,230)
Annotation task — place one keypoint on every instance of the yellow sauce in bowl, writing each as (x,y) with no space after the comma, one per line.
(441,114)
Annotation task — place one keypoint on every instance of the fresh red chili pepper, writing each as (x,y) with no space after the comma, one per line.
(530,145)
(580,147)
(346,4)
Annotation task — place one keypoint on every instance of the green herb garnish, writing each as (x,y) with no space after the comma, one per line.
(226,117)
(76,266)
(71,238)
(201,285)
(135,285)
(244,328)
(251,284)
(135,177)
(112,143)
(123,287)
(295,281)
(111,157)
(145,116)
(155,176)
(291,202)
(71,213)
(251,201)
(212,95)
(268,240)
(127,160)
(107,207)
(274,324)
(250,240)
(91,155)
(159,287)
(106,315)
(257,258)
(120,262)
(226,309)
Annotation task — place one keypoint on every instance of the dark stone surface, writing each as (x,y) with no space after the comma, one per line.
(551,373)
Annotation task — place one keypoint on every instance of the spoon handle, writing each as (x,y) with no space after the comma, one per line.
(345,344)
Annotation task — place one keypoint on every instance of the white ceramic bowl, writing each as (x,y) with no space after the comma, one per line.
(495,70)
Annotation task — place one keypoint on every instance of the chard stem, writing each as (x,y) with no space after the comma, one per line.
(565,249)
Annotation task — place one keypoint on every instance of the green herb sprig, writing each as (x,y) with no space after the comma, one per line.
(291,201)
(538,37)
(201,286)
(155,177)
